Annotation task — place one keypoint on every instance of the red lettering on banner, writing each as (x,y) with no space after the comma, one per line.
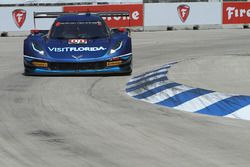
(236,12)
(135,12)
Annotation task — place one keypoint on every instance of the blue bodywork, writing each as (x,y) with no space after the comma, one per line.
(93,57)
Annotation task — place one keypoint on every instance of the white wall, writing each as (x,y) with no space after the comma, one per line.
(155,14)
(8,23)
(166,14)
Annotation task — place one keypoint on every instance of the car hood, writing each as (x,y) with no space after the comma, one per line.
(90,49)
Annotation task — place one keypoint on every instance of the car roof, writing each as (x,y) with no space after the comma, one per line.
(78,17)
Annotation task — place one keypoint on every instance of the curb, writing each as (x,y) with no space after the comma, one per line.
(155,87)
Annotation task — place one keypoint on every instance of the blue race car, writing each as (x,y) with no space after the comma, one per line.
(78,44)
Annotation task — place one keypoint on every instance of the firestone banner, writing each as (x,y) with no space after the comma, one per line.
(236,12)
(135,13)
(14,2)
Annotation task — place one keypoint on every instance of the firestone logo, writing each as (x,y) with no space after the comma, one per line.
(76,49)
(19,16)
(183,11)
(134,16)
(234,12)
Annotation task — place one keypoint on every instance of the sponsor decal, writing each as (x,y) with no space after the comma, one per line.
(77,57)
(40,64)
(77,41)
(135,17)
(236,13)
(19,16)
(183,12)
(114,63)
(76,49)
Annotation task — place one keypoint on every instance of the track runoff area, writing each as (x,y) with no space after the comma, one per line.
(156,87)
(91,120)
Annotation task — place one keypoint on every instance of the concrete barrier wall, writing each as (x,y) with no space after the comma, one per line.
(156,15)
(21,18)
(172,14)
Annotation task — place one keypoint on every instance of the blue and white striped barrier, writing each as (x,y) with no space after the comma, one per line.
(155,87)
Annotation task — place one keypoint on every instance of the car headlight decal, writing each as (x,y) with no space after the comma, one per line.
(116,47)
(36,47)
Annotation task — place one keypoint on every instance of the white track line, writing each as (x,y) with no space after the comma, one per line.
(146,75)
(165,94)
(148,88)
(147,80)
(201,102)
(243,113)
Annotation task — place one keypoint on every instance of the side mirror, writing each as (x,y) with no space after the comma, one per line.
(120,30)
(41,32)
(34,31)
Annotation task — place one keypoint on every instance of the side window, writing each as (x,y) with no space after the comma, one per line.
(106,26)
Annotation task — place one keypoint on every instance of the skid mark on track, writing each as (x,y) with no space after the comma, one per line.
(42,133)
(48,136)
(92,86)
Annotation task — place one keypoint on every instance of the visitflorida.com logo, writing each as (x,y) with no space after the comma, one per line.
(183,12)
(19,16)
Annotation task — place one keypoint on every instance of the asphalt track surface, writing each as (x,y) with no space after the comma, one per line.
(90,121)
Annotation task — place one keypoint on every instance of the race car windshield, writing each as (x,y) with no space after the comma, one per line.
(79,30)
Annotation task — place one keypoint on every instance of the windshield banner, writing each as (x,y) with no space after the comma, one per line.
(135,12)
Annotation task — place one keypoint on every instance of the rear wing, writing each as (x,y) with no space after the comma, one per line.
(40,15)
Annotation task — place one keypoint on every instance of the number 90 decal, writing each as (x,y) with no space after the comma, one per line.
(77,41)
